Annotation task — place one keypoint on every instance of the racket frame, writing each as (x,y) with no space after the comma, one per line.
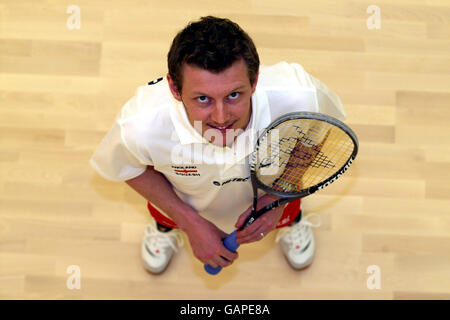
(291,196)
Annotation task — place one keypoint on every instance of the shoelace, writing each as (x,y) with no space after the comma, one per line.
(157,240)
(296,232)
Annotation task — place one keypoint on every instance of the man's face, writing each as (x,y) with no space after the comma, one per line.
(218,104)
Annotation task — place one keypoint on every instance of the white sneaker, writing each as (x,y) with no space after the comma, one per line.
(297,242)
(157,247)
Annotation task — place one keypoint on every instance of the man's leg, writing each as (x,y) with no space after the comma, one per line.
(297,241)
(161,239)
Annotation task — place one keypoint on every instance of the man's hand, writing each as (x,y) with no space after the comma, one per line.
(206,242)
(264,224)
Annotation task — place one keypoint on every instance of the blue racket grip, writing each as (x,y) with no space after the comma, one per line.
(230,243)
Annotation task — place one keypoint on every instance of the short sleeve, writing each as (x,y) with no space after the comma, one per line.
(329,102)
(113,159)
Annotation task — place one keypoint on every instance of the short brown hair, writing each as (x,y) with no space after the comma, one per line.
(213,44)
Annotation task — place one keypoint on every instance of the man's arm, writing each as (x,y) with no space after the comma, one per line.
(204,236)
(154,187)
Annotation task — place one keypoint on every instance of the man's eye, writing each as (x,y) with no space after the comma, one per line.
(234,95)
(202,99)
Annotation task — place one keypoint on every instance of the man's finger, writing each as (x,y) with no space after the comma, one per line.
(251,234)
(252,237)
(251,228)
(212,263)
(223,262)
(242,219)
(227,254)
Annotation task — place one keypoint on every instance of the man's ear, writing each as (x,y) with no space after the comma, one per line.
(173,88)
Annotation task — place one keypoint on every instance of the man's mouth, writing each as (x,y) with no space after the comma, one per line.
(222,129)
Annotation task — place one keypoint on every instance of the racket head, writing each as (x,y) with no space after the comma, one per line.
(295,138)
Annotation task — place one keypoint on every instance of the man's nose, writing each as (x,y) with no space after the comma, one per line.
(218,114)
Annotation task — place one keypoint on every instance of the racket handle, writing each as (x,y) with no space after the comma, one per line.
(230,243)
(261,211)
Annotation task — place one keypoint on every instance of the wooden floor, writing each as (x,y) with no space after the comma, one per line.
(60,90)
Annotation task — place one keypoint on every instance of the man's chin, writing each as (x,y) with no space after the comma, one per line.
(213,135)
(220,137)
(221,141)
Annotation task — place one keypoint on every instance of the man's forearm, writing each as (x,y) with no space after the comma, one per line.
(154,187)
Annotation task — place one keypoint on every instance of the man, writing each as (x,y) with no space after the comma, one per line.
(183,143)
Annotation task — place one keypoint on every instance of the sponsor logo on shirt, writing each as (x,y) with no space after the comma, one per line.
(218,183)
(190,171)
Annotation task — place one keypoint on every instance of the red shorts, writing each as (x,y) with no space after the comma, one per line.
(290,212)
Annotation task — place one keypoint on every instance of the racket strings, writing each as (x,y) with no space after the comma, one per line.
(300,159)
(302,153)
(338,148)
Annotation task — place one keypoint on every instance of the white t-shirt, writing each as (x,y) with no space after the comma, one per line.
(153,129)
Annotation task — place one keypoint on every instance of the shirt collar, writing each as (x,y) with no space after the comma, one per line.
(185,131)
(261,118)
